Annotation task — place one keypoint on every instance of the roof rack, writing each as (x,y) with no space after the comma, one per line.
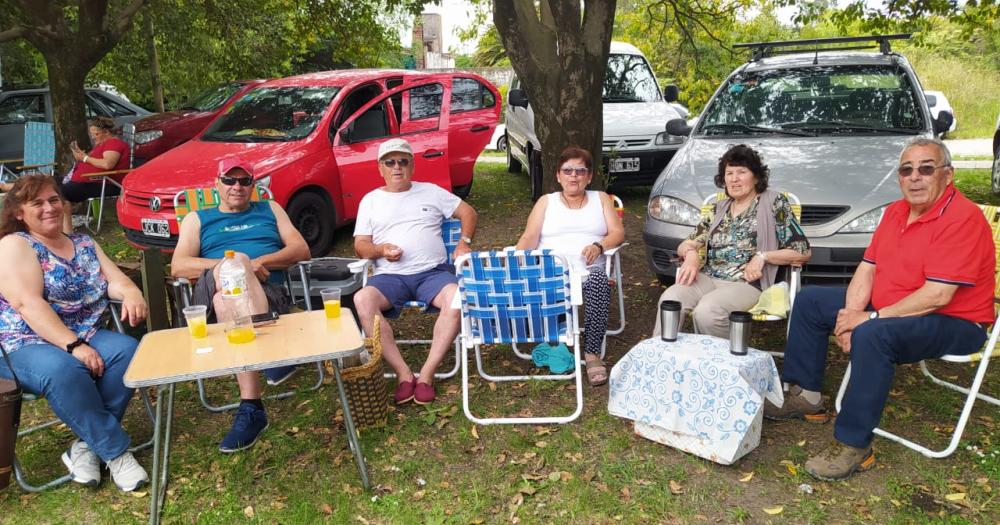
(765,49)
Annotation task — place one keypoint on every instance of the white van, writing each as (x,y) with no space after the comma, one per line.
(635,146)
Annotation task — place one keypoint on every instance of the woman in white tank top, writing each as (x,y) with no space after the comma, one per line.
(580,224)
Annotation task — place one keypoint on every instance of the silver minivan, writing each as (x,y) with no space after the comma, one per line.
(830,125)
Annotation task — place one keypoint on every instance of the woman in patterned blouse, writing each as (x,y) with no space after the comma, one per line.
(749,237)
(54,292)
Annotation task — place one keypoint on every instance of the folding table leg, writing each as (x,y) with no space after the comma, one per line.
(352,436)
(161,454)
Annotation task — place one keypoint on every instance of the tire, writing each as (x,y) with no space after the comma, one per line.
(462,192)
(513,165)
(502,143)
(315,218)
(995,177)
(666,280)
(535,175)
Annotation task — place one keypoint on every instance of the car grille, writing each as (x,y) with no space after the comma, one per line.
(820,214)
(137,237)
(828,274)
(141,200)
(631,143)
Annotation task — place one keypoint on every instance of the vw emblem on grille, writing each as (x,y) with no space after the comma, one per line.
(621,145)
(154,204)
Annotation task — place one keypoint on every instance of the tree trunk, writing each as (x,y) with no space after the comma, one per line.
(155,79)
(66,78)
(560,53)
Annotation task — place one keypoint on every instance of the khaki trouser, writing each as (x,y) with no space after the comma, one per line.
(710,301)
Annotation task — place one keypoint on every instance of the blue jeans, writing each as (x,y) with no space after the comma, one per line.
(877,346)
(93,408)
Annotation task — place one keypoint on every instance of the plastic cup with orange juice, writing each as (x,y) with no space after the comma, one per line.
(331,302)
(197,320)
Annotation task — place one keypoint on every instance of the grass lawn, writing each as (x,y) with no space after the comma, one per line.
(431,465)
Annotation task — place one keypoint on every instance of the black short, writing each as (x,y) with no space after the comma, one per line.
(204,290)
(81,191)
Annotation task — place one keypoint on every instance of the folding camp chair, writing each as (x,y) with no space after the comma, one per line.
(972,392)
(39,153)
(451,234)
(128,135)
(187,201)
(519,296)
(19,472)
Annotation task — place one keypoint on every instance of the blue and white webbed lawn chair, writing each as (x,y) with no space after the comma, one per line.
(518,296)
(451,234)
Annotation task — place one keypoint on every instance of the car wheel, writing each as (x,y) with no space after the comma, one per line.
(462,192)
(502,143)
(513,165)
(995,178)
(535,175)
(666,280)
(314,217)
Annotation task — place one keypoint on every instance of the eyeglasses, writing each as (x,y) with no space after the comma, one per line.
(925,170)
(229,181)
(579,172)
(391,163)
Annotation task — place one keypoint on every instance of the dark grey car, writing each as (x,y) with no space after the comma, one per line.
(829,124)
(35,105)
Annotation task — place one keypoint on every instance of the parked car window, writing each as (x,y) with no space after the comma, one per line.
(22,108)
(273,114)
(468,94)
(629,79)
(116,109)
(425,101)
(93,109)
(849,99)
(371,124)
(213,97)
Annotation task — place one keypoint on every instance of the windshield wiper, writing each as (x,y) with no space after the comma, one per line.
(755,129)
(841,125)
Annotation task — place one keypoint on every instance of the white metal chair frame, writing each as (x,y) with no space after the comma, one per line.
(19,472)
(972,392)
(451,233)
(570,337)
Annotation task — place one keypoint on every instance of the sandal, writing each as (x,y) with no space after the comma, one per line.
(597,374)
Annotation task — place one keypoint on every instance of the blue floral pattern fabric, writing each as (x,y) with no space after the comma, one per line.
(694,387)
(76,289)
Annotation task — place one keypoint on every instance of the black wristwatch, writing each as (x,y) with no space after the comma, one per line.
(599,246)
(70,347)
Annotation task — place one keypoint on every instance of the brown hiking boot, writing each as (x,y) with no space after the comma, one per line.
(839,461)
(796,407)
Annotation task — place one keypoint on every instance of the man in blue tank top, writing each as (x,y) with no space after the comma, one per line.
(266,243)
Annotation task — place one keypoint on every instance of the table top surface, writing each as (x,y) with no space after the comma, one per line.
(170,356)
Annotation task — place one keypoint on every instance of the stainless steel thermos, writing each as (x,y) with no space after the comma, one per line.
(739,332)
(670,320)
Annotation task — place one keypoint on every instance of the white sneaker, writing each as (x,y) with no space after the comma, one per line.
(84,466)
(127,472)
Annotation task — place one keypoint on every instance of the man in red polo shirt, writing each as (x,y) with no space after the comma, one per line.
(925,283)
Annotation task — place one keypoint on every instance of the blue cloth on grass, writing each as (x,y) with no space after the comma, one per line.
(559,359)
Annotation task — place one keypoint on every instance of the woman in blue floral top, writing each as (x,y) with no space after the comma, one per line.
(54,291)
(749,237)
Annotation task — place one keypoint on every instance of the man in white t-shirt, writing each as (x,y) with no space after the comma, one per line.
(399,227)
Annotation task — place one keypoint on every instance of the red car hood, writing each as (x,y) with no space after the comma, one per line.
(164,120)
(195,164)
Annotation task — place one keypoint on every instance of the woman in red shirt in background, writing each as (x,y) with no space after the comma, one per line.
(110,153)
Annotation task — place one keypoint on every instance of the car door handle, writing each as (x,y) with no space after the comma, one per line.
(476,129)
(432,154)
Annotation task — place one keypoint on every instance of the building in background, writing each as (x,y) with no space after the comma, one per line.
(430,55)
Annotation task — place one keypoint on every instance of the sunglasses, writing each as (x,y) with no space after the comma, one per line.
(391,163)
(925,170)
(579,172)
(229,181)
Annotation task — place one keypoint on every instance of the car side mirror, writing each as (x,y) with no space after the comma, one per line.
(678,127)
(931,100)
(943,122)
(671,92)
(517,98)
(345,135)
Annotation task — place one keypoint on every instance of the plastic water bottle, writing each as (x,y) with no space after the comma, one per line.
(233,278)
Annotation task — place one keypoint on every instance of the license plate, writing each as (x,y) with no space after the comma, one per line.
(624,165)
(156,228)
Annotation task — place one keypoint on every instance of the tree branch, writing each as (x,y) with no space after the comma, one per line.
(124,20)
(12,34)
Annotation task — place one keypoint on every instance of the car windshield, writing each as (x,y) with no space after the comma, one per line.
(816,100)
(276,114)
(629,79)
(213,97)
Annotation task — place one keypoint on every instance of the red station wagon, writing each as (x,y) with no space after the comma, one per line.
(158,133)
(313,141)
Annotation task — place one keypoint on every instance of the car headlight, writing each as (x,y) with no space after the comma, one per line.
(143,137)
(866,223)
(670,209)
(663,139)
(264,181)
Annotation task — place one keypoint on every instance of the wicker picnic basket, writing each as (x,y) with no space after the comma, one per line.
(365,385)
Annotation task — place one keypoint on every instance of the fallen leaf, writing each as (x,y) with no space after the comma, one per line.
(626,494)
(955,496)
(792,468)
(541,444)
(801,443)
(418,495)
(676,488)
(774,510)
(474,432)
(527,490)
(138,494)
(554,475)
(747,477)
(493,386)
(248,511)
(325,508)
